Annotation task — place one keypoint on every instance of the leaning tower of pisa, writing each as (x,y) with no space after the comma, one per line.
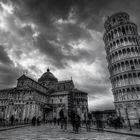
(122,45)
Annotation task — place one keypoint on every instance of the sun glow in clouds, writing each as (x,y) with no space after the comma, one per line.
(7,8)
(5,11)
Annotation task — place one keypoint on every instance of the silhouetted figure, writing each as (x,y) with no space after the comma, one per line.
(77,123)
(34,121)
(61,118)
(38,121)
(54,121)
(89,120)
(99,122)
(65,122)
(73,115)
(12,119)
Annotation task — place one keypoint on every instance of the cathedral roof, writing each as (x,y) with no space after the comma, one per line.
(48,76)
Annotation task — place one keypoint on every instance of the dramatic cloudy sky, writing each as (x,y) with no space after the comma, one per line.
(65,35)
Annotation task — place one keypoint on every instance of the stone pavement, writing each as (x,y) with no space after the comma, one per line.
(3,128)
(47,132)
(124,131)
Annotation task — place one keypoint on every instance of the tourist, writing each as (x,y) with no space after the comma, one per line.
(61,113)
(12,119)
(54,121)
(89,120)
(38,121)
(77,123)
(34,121)
(73,119)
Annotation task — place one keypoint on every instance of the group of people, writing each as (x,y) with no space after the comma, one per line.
(76,119)
(79,120)
(115,121)
(36,121)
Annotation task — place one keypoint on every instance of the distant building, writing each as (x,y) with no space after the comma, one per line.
(42,99)
(122,45)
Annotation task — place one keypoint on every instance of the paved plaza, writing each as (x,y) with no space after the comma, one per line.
(47,132)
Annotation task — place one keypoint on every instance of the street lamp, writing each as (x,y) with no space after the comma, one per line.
(130,128)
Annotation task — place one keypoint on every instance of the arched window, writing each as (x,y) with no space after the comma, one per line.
(119,30)
(133,30)
(127,63)
(124,51)
(123,30)
(115,32)
(109,36)
(118,42)
(121,40)
(130,28)
(132,49)
(129,38)
(136,49)
(125,39)
(136,62)
(128,50)
(133,40)
(112,35)
(114,44)
(127,30)
(139,75)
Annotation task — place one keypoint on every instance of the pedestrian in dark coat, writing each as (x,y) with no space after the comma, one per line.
(77,123)
(61,113)
(34,121)
(73,115)
(12,120)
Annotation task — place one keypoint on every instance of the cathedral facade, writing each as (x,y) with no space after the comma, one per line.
(43,98)
(122,45)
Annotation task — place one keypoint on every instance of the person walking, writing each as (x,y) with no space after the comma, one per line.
(77,123)
(89,120)
(12,119)
(34,121)
(73,115)
(65,118)
(62,118)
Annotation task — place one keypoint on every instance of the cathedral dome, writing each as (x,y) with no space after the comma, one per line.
(47,77)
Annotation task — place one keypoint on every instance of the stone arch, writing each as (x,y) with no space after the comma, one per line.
(124,51)
(114,43)
(136,40)
(109,36)
(111,46)
(138,88)
(117,42)
(119,30)
(133,29)
(129,75)
(136,50)
(125,39)
(129,39)
(121,40)
(134,75)
(127,29)
(130,29)
(128,50)
(133,39)
(112,36)
(127,63)
(132,49)
(123,30)
(139,61)
(115,32)
(139,75)
(136,61)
